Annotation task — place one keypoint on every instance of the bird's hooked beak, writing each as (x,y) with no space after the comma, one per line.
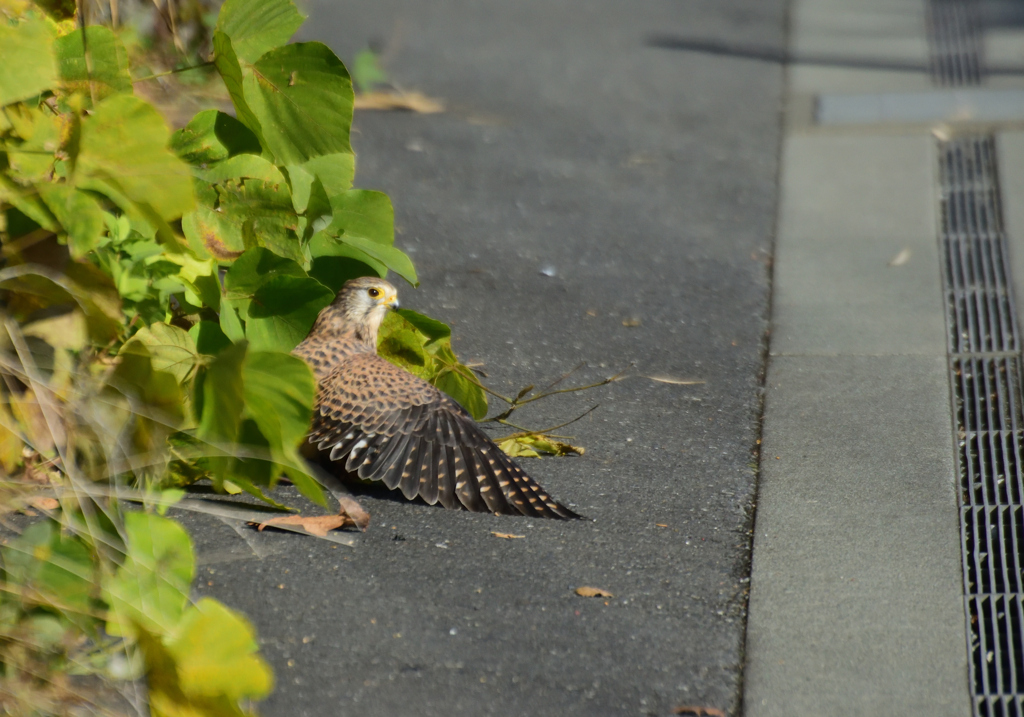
(392,301)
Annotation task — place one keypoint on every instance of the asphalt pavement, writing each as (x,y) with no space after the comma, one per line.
(586,196)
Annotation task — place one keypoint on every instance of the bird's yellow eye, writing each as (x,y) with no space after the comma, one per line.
(374,293)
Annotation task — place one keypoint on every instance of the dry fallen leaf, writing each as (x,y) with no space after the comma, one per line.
(698,711)
(900,259)
(42,503)
(359,517)
(351,513)
(409,101)
(661,378)
(312,524)
(536,445)
(506,535)
(662,525)
(593,592)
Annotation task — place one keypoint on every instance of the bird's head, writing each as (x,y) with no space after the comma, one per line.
(359,308)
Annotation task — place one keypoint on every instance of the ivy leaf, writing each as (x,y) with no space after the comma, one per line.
(335,172)
(151,587)
(250,166)
(170,349)
(237,214)
(302,97)
(212,136)
(365,221)
(214,650)
(209,338)
(227,64)
(467,392)
(256,26)
(219,399)
(257,266)
(123,148)
(80,215)
(282,312)
(105,74)
(422,346)
(32,68)
(279,395)
(50,568)
(32,160)
(536,445)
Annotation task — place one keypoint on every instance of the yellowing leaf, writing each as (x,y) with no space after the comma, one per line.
(214,649)
(408,101)
(536,445)
(151,588)
(587,591)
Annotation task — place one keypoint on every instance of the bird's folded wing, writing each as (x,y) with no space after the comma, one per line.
(395,427)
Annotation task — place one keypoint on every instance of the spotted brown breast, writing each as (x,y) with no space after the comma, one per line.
(389,425)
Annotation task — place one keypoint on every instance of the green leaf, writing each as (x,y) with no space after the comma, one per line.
(334,271)
(220,400)
(209,338)
(367,72)
(335,172)
(106,71)
(536,445)
(279,395)
(214,650)
(469,395)
(230,324)
(226,62)
(238,214)
(31,67)
(302,96)
(363,213)
(404,348)
(394,259)
(422,345)
(256,26)
(50,568)
(79,213)
(158,391)
(250,166)
(123,147)
(32,160)
(171,349)
(282,312)
(364,220)
(212,136)
(255,267)
(151,587)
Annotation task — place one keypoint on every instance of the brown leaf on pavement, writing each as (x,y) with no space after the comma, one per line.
(42,503)
(698,711)
(506,535)
(351,513)
(349,507)
(587,591)
(409,101)
(313,524)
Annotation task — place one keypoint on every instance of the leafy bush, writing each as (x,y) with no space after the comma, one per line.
(152,285)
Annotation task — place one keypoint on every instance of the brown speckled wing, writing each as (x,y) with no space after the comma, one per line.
(392,426)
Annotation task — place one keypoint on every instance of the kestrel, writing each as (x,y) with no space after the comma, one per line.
(392,426)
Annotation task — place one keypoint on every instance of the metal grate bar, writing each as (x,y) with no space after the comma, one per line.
(954,28)
(987,378)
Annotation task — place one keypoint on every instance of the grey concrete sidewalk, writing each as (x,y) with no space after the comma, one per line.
(643,181)
(857,603)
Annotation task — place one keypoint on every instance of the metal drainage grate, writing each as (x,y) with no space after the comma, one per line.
(954,31)
(986,372)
